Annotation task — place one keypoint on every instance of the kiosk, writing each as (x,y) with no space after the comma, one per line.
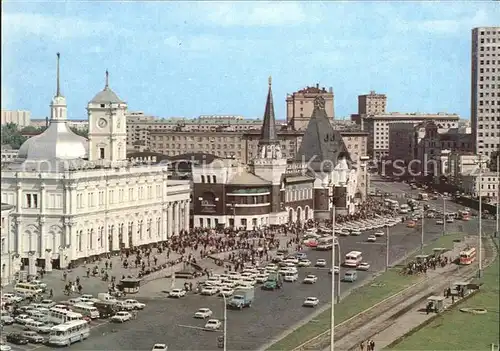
(421,258)
(129,285)
(435,304)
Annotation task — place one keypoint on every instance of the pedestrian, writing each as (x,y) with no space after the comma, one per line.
(362,346)
(372,345)
(51,293)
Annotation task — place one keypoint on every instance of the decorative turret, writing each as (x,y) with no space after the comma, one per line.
(269,145)
(58,107)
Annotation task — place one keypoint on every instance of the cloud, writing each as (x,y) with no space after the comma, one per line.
(24,25)
(462,23)
(260,14)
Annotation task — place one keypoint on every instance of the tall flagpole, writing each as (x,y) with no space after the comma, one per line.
(332,323)
(480,218)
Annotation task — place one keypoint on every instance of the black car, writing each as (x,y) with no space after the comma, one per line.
(17,339)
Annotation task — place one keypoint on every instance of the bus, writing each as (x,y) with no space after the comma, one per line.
(467,256)
(59,316)
(86,310)
(353,259)
(28,289)
(67,333)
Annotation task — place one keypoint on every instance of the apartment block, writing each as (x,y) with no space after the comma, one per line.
(21,118)
(300,105)
(485,89)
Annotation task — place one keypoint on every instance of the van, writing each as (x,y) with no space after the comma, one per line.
(28,289)
(86,310)
(105,297)
(38,327)
(353,259)
(291,277)
(350,276)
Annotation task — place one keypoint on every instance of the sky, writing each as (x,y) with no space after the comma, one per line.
(186,59)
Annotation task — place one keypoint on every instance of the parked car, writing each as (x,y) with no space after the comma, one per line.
(121,317)
(33,337)
(320,263)
(209,290)
(136,305)
(23,319)
(159,347)
(17,338)
(371,238)
(363,266)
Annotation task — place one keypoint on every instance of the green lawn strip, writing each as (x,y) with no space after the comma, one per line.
(455,330)
(359,300)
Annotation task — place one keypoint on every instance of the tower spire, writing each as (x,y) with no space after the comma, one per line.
(268,134)
(107,80)
(58,89)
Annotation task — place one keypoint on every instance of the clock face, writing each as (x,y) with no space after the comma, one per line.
(102,123)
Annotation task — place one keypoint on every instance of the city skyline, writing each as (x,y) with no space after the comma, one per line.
(163,58)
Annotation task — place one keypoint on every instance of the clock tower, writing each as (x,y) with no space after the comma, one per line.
(107,126)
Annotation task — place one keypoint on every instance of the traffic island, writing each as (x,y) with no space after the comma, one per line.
(456,330)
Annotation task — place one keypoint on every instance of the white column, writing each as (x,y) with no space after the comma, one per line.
(170,220)
(41,240)
(186,215)
(18,236)
(163,228)
(176,218)
(116,244)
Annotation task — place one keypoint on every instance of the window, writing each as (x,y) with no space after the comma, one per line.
(203,179)
(215,179)
(101,153)
(31,201)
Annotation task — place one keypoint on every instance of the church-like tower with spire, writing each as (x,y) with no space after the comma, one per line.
(269,163)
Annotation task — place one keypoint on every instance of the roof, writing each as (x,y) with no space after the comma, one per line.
(57,142)
(106,96)
(298,178)
(246,178)
(322,146)
(268,133)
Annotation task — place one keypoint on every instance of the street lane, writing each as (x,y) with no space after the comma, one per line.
(271,313)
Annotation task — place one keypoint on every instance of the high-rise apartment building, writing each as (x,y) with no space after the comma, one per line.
(21,118)
(485,89)
(300,105)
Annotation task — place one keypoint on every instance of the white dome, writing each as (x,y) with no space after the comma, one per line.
(56,142)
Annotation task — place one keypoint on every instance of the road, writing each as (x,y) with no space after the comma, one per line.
(171,322)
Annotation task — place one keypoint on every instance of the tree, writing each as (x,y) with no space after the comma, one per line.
(84,132)
(12,136)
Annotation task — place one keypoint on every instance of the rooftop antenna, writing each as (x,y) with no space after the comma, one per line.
(58,92)
(107,80)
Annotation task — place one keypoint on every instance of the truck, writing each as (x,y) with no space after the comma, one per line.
(274,281)
(243,297)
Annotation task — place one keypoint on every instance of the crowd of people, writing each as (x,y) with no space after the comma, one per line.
(421,265)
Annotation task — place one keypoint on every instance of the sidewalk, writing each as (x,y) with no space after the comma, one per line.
(93,285)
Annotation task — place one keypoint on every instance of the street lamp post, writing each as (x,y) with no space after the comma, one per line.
(422,232)
(225,322)
(444,215)
(498,194)
(332,322)
(387,248)
(480,217)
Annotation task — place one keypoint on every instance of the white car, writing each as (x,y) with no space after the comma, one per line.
(363,266)
(336,270)
(23,319)
(356,232)
(371,238)
(271,267)
(5,347)
(41,284)
(124,305)
(177,293)
(261,278)
(304,263)
(439,222)
(135,304)
(121,317)
(203,313)
(379,233)
(213,281)
(345,232)
(293,260)
(311,302)
(310,279)
(47,303)
(159,347)
(11,298)
(213,324)
(209,290)
(450,220)
(320,263)
(226,292)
